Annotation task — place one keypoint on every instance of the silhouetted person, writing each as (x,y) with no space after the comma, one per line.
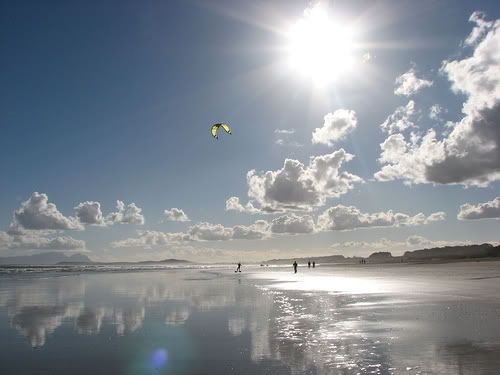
(295,266)
(309,264)
(239,268)
(314,264)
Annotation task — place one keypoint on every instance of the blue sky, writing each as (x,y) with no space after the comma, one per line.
(106,102)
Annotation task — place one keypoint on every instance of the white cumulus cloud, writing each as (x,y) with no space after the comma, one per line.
(470,153)
(90,213)
(400,119)
(292,224)
(175,214)
(335,127)
(210,232)
(435,112)
(342,217)
(150,238)
(486,210)
(408,83)
(255,231)
(38,240)
(130,214)
(297,186)
(233,204)
(37,213)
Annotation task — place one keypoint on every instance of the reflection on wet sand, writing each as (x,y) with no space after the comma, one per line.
(250,321)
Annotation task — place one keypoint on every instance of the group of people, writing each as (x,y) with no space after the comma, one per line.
(295,265)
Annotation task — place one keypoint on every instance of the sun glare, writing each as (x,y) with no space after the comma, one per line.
(320,47)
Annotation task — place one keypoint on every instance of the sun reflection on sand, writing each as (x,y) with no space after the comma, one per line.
(317,323)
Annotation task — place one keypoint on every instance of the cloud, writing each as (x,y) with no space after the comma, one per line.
(381,244)
(150,238)
(470,153)
(343,218)
(482,26)
(437,216)
(129,319)
(487,210)
(210,232)
(36,322)
(285,138)
(413,242)
(233,204)
(175,214)
(89,321)
(287,142)
(178,316)
(335,127)
(300,187)
(90,213)
(400,119)
(255,231)
(409,84)
(35,240)
(292,224)
(130,214)
(284,131)
(435,112)
(38,214)
(200,232)
(417,240)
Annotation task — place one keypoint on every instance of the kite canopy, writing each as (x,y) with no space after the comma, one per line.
(215,128)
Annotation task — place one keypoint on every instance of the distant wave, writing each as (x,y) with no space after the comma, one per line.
(20,269)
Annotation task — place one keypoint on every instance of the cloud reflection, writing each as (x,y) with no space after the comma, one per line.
(307,330)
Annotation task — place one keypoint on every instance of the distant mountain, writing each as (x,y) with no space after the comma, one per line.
(454,252)
(46,259)
(53,258)
(446,253)
(323,259)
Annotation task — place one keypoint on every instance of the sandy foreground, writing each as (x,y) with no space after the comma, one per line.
(359,319)
(478,280)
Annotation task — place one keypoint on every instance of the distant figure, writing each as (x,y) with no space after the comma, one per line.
(309,264)
(314,264)
(239,268)
(295,266)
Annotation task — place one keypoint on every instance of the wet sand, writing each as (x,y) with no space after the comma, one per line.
(366,319)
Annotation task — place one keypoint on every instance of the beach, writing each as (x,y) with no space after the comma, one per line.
(340,319)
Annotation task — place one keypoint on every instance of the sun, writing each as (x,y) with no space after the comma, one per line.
(320,47)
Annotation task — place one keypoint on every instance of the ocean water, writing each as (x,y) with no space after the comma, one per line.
(340,320)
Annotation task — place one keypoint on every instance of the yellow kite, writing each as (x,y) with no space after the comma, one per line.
(215,128)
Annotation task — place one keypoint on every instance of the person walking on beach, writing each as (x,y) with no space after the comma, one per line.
(314,264)
(239,268)
(295,267)
(309,264)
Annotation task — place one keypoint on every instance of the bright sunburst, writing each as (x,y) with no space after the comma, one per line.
(320,47)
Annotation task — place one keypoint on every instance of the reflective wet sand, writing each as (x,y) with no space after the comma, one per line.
(395,319)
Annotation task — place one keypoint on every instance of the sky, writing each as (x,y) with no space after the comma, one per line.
(357,126)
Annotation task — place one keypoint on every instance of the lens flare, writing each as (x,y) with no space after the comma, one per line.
(160,358)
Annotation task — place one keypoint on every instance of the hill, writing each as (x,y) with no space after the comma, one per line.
(50,258)
(446,253)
